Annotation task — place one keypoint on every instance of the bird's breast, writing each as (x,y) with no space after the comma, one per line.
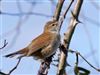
(52,47)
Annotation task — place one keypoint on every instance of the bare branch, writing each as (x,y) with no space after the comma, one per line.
(18,26)
(5,43)
(58,10)
(15,66)
(90,20)
(91,44)
(1,73)
(23,14)
(95,4)
(65,13)
(68,35)
(83,59)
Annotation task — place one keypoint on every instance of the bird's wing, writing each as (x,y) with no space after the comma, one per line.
(40,42)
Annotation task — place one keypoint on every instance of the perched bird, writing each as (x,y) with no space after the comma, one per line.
(44,45)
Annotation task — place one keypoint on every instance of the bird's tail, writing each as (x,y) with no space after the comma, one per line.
(22,51)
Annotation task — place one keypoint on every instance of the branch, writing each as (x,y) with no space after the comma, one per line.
(14,67)
(77,53)
(5,43)
(68,35)
(2,73)
(91,44)
(24,14)
(65,13)
(58,10)
(90,20)
(95,4)
(17,29)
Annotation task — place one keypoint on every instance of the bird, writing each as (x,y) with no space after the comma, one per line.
(43,46)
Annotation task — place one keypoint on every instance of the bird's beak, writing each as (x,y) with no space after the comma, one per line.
(58,26)
(56,23)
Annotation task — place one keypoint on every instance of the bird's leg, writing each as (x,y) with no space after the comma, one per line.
(45,65)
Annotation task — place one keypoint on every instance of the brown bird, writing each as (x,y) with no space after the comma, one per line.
(44,45)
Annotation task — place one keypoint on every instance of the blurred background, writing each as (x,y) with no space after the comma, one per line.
(23,20)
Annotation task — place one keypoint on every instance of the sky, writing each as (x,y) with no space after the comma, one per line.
(14,16)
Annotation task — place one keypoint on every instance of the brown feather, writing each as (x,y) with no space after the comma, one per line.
(22,51)
(39,43)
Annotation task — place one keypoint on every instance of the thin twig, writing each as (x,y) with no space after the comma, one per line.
(5,43)
(89,63)
(86,55)
(25,13)
(95,4)
(13,69)
(58,10)
(15,66)
(77,59)
(18,26)
(76,52)
(90,20)
(65,13)
(52,5)
(91,44)
(1,73)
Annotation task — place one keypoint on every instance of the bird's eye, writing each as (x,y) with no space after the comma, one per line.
(53,24)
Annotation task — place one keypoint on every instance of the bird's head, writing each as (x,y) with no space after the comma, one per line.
(52,26)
